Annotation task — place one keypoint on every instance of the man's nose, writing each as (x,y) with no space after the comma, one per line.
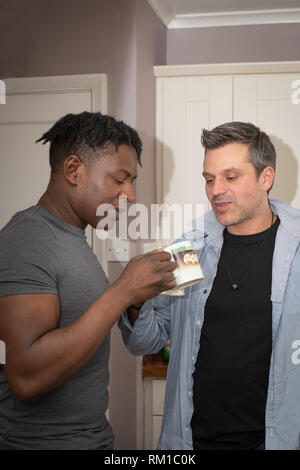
(218,187)
(128,192)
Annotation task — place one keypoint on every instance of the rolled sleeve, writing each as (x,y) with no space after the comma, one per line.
(151,330)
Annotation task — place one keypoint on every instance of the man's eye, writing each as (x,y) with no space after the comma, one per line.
(119,181)
(231,178)
(209,181)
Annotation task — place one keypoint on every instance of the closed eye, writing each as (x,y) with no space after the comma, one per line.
(119,181)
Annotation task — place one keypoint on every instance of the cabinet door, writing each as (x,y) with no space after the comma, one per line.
(186,105)
(157,422)
(266,100)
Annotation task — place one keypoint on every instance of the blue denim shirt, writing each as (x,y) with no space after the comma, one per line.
(181,319)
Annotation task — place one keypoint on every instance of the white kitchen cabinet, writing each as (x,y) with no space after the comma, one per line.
(154,402)
(190,98)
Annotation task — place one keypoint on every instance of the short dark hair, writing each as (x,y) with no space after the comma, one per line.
(84,134)
(261,150)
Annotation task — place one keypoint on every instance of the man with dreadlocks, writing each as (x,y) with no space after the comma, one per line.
(56,305)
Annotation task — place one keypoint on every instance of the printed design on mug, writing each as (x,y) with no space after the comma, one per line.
(185,257)
(188,269)
(190,258)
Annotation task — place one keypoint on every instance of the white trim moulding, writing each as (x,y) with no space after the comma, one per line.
(165,12)
(226,69)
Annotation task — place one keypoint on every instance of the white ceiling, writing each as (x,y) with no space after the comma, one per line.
(206,13)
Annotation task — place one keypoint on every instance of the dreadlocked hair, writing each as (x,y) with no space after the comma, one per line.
(86,134)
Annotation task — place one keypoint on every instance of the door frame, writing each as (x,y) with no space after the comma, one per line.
(96,84)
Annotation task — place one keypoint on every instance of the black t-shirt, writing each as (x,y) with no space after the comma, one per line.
(232,368)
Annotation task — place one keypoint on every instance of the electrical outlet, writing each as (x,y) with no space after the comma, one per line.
(118,250)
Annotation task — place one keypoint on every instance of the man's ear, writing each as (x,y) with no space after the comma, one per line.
(268,175)
(72,169)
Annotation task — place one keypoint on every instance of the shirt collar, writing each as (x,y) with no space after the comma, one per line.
(289,217)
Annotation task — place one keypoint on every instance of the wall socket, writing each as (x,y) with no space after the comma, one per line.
(119,250)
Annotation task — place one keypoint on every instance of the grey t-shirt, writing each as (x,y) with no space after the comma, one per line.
(40,253)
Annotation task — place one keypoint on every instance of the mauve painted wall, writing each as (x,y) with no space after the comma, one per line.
(64,37)
(258,43)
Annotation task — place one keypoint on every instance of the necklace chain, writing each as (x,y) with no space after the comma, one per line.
(235,286)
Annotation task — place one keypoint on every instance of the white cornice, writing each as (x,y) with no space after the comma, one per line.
(165,11)
(236,18)
(161,71)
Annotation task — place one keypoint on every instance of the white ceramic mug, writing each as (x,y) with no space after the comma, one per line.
(188,270)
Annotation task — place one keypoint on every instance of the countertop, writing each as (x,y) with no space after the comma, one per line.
(153,366)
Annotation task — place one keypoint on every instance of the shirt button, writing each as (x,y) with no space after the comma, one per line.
(198,322)
(205,291)
(189,393)
(193,358)
(186,429)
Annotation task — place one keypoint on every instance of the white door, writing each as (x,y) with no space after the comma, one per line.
(32,106)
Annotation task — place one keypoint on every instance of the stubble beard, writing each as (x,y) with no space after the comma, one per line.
(242,213)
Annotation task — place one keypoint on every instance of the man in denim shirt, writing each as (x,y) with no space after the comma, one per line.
(234,371)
